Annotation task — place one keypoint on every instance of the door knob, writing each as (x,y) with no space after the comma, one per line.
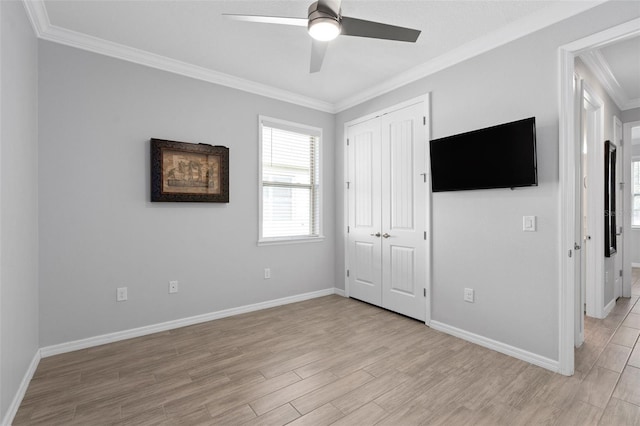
(385,235)
(377,234)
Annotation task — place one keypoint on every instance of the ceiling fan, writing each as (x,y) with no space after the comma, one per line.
(325,22)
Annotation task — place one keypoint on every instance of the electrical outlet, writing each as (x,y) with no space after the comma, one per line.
(173,286)
(121,294)
(468,295)
(267,273)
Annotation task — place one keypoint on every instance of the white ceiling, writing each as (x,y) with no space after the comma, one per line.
(273,58)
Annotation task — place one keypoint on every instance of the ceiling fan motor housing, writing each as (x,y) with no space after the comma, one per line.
(321,13)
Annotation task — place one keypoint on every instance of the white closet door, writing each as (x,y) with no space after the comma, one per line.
(365,268)
(403,211)
(387,251)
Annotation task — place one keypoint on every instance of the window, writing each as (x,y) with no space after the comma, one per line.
(635,192)
(289,182)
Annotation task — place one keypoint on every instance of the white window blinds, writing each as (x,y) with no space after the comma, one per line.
(290,179)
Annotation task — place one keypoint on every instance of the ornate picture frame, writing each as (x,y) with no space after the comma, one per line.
(189,172)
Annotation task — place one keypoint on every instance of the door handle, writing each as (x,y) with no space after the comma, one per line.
(385,235)
(377,234)
(576,246)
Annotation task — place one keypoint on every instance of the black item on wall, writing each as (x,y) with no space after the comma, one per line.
(502,156)
(610,238)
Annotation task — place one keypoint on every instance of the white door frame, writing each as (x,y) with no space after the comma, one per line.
(620,212)
(567,147)
(426,98)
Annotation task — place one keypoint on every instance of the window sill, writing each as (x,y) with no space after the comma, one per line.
(290,240)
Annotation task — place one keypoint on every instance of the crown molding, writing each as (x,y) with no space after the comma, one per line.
(45,30)
(600,68)
(515,30)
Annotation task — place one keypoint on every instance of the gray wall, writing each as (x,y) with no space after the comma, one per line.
(18,199)
(477,235)
(631,115)
(98,229)
(610,109)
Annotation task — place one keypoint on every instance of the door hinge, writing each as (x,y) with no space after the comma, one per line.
(425,235)
(424,291)
(347,141)
(424,177)
(348,229)
(347,272)
(570,253)
(424,120)
(620,272)
(348,185)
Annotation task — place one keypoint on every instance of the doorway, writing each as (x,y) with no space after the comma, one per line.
(570,189)
(387,209)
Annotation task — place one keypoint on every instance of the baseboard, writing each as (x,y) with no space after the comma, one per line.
(339,292)
(518,353)
(609,308)
(183,322)
(22,390)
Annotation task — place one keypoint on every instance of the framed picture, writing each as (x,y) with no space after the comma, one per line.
(189,172)
(610,240)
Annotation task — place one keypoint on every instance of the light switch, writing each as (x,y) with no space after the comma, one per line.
(529,223)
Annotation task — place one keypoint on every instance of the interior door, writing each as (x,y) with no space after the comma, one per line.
(403,211)
(364,248)
(386,203)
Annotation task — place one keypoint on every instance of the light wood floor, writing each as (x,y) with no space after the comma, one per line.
(334,361)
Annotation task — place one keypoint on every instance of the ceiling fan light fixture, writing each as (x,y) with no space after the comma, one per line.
(324,29)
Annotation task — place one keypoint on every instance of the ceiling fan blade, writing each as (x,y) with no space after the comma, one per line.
(333,5)
(281,20)
(361,28)
(318,49)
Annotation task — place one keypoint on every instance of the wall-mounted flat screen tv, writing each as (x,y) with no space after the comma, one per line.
(502,156)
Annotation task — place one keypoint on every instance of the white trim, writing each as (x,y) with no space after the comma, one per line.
(607,309)
(547,16)
(339,292)
(634,265)
(567,146)
(427,209)
(89,342)
(600,68)
(290,240)
(497,346)
(22,390)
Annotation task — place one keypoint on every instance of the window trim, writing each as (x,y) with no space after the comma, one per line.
(295,127)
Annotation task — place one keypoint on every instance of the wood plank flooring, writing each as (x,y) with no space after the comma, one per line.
(335,361)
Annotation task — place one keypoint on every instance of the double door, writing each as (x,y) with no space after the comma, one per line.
(387,229)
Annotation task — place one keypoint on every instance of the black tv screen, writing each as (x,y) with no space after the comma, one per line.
(502,156)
